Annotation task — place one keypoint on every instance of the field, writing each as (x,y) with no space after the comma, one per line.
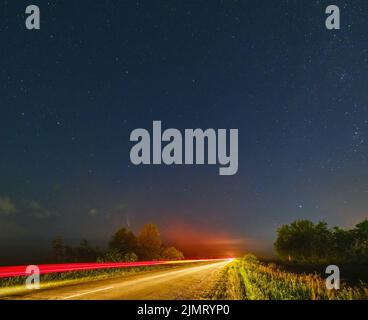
(249,279)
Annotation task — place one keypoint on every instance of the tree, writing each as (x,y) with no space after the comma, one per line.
(360,246)
(149,243)
(124,240)
(71,254)
(306,242)
(341,247)
(171,253)
(58,249)
(303,241)
(66,253)
(85,252)
(361,230)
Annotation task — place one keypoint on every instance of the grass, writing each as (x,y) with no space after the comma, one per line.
(352,273)
(249,279)
(228,285)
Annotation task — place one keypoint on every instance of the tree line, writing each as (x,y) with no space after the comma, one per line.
(124,246)
(315,243)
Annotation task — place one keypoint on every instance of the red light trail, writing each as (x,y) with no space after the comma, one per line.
(19,271)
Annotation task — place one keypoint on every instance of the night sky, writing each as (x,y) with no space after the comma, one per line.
(72,92)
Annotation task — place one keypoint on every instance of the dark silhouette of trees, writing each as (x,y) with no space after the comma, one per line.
(306,242)
(150,244)
(62,252)
(360,239)
(124,240)
(124,246)
(58,249)
(85,252)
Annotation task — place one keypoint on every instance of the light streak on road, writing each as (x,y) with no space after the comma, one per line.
(18,271)
(184,281)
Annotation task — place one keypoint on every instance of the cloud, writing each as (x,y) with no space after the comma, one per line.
(6,206)
(92,212)
(35,210)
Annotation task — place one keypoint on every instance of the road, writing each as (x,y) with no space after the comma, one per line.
(184,282)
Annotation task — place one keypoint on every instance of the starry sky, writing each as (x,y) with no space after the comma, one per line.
(72,92)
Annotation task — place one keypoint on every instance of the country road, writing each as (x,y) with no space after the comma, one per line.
(184,282)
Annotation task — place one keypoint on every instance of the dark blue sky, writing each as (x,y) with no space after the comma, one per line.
(71,93)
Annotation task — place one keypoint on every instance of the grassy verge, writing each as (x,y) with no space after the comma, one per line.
(353,274)
(229,285)
(268,282)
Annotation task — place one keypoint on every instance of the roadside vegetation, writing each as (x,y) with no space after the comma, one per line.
(124,246)
(228,286)
(304,250)
(249,279)
(304,242)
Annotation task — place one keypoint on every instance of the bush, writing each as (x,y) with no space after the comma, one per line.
(115,255)
(171,253)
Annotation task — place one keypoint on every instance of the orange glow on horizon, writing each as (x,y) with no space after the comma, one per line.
(196,241)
